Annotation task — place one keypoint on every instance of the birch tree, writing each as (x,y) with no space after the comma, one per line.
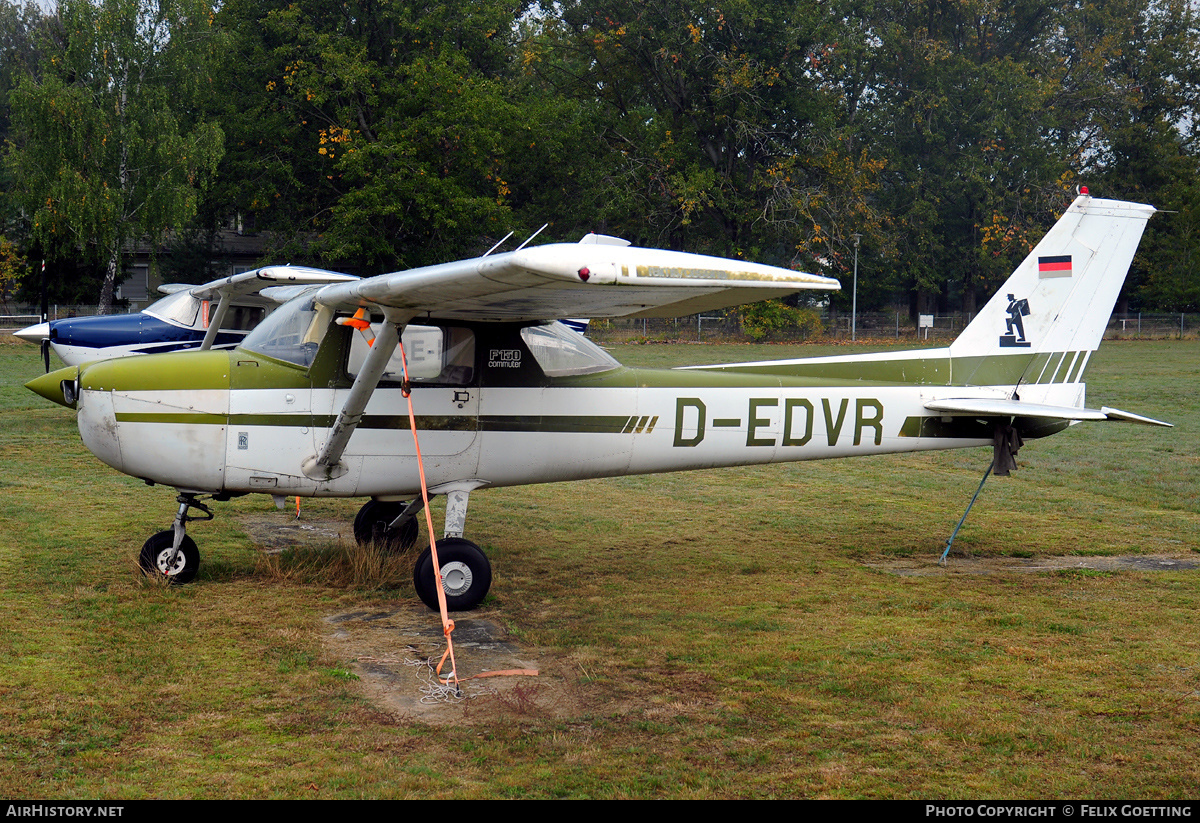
(104,149)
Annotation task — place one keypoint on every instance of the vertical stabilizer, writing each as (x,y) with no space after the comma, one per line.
(1047,319)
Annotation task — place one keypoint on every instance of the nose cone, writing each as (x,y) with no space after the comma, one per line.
(160,417)
(35,333)
(61,387)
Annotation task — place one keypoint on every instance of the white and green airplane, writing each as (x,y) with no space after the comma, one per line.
(310,405)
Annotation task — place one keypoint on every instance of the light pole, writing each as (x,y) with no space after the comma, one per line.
(854,298)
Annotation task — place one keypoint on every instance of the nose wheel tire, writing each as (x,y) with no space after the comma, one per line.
(156,561)
(371,526)
(466,575)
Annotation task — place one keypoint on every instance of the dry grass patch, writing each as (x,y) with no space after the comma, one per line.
(344,564)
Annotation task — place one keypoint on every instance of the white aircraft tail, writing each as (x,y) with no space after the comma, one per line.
(1045,321)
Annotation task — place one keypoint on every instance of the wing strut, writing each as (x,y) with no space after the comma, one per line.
(326,465)
(215,320)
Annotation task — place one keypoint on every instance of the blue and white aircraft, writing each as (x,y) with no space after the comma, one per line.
(215,315)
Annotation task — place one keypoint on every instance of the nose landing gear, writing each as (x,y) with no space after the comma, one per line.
(171,553)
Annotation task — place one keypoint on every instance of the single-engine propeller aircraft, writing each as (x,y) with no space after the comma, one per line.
(310,404)
(215,315)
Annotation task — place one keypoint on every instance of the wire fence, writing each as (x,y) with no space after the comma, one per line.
(726,326)
(872,326)
(23,316)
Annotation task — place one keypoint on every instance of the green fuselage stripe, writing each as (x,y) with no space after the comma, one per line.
(583,424)
(602,424)
(985,370)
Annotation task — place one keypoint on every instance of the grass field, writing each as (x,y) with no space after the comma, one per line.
(729,632)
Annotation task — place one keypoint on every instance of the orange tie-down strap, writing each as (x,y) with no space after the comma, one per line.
(498,673)
(447,623)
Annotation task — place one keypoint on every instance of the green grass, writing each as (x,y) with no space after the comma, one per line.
(724,636)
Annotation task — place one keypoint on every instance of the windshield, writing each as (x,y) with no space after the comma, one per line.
(180,308)
(292,332)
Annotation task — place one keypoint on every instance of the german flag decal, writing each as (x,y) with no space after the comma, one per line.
(1059,266)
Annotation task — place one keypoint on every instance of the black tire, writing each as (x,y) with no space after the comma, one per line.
(466,572)
(371,526)
(157,551)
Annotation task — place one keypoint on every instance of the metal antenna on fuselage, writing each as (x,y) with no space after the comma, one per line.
(530,237)
(493,248)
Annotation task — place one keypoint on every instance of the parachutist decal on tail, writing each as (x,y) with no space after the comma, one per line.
(503,395)
(1015,335)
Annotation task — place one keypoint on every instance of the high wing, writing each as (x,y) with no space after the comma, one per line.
(596,277)
(250,282)
(587,279)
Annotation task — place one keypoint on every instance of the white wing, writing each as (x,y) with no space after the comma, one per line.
(588,279)
(249,282)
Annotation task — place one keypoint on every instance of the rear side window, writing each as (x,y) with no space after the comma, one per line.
(562,352)
(436,354)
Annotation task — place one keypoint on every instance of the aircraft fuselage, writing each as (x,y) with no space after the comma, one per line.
(244,422)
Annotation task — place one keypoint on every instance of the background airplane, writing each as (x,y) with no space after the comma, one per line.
(316,400)
(217,315)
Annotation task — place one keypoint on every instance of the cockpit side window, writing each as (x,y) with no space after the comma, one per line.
(237,317)
(436,354)
(562,352)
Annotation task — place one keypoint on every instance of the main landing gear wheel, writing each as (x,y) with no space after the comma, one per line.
(466,575)
(155,558)
(371,526)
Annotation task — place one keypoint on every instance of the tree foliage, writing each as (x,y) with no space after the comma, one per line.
(402,127)
(720,129)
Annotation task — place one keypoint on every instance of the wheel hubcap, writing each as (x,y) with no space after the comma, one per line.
(164,563)
(456,578)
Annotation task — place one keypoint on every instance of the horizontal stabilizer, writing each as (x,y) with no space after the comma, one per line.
(1130,417)
(999,407)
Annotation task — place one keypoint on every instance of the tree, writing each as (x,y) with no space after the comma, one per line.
(104,148)
(20,29)
(724,131)
(1147,147)
(380,135)
(990,116)
(957,104)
